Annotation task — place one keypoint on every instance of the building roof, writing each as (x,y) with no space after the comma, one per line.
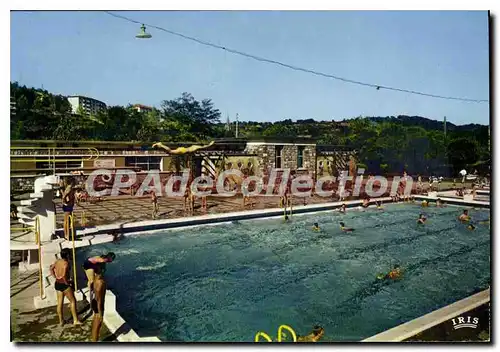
(269,140)
(83,96)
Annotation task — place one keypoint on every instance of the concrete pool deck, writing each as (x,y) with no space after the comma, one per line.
(42,325)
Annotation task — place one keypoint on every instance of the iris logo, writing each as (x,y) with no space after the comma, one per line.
(465,322)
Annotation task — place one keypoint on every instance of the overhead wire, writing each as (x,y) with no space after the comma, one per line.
(296,68)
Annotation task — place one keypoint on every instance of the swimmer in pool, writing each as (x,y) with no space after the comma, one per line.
(471,227)
(314,336)
(379,205)
(366,203)
(425,203)
(439,203)
(345,229)
(286,218)
(421,219)
(465,216)
(393,274)
(342,208)
(316,227)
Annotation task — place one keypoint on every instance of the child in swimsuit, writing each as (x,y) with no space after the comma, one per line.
(154,200)
(64,287)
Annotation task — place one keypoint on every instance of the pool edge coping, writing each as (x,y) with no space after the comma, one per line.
(413,327)
(151,225)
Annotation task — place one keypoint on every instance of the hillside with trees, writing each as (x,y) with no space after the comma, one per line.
(384,144)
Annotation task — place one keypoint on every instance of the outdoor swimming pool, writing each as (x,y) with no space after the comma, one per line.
(226,282)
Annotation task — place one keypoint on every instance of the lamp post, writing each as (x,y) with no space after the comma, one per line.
(237,120)
(143,34)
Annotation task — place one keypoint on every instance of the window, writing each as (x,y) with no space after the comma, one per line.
(300,156)
(64,163)
(144,162)
(277,162)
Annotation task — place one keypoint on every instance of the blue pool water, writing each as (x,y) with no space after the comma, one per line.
(226,282)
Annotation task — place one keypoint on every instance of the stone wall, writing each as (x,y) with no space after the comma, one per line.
(266,154)
(289,155)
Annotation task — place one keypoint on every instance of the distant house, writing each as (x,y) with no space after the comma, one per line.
(142,108)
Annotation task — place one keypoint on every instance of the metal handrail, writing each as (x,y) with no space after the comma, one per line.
(94,155)
(72,223)
(39,242)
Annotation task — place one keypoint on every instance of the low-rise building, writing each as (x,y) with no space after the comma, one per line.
(142,108)
(253,157)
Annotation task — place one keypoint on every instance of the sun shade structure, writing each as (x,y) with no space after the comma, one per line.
(143,34)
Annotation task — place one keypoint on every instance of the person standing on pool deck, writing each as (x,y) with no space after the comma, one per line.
(154,201)
(97,303)
(187,198)
(68,201)
(420,185)
(64,287)
(92,264)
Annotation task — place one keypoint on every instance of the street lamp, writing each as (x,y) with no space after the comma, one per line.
(143,34)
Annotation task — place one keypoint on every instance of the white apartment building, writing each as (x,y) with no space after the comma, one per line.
(89,105)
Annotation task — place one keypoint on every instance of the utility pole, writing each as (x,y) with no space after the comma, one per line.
(445,143)
(237,116)
(445,128)
(228,123)
(489,139)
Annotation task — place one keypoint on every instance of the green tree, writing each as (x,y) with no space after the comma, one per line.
(462,152)
(196,117)
(151,127)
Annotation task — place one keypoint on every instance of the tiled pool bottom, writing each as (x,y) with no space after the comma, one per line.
(226,282)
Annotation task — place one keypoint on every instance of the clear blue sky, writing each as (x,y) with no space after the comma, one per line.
(94,54)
